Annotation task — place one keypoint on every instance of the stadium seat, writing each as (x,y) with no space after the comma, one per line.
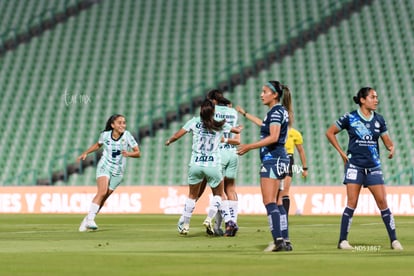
(128,62)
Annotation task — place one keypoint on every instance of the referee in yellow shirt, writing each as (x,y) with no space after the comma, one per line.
(294,139)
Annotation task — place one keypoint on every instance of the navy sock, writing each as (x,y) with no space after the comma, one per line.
(346,222)
(389,222)
(286,204)
(273,216)
(283,222)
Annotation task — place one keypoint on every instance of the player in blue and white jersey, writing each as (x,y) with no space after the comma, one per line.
(293,140)
(229,157)
(362,161)
(275,161)
(118,144)
(205,162)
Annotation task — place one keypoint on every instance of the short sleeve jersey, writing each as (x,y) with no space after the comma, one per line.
(276,115)
(230,115)
(205,143)
(363,149)
(294,138)
(111,156)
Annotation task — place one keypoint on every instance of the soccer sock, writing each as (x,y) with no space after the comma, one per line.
(225,212)
(286,204)
(218,220)
(93,210)
(273,216)
(234,209)
(346,222)
(215,203)
(283,222)
(188,210)
(389,222)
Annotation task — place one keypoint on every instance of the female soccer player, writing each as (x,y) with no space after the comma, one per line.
(362,161)
(229,157)
(117,143)
(275,162)
(205,163)
(294,139)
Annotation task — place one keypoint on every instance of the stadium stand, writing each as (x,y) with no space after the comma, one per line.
(59,88)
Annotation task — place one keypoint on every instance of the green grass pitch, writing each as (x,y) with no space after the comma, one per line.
(151,245)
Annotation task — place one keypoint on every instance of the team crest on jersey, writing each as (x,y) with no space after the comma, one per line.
(377,124)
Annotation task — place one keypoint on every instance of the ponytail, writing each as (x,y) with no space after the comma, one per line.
(287,103)
(207,116)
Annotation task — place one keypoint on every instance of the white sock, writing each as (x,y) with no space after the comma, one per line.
(93,210)
(215,204)
(218,220)
(225,212)
(188,210)
(234,209)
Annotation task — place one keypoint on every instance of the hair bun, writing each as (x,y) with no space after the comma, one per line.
(356,100)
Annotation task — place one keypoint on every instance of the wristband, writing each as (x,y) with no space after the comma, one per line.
(244,114)
(305,168)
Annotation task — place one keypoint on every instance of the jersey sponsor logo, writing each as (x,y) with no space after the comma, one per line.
(351,174)
(204,158)
(227,146)
(225,116)
(376,172)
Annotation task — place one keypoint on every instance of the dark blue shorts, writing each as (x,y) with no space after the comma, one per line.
(275,168)
(366,177)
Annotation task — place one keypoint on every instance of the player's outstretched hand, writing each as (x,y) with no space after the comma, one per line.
(242,149)
(81,157)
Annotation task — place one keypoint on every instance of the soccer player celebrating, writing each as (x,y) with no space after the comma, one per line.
(117,143)
(229,157)
(205,163)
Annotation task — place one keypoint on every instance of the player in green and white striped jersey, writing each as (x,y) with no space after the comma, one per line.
(229,156)
(205,163)
(118,144)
